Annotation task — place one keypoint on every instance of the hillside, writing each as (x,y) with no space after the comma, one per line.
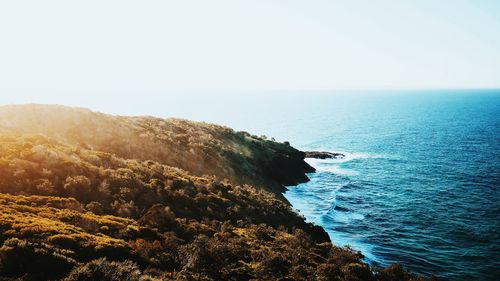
(199,148)
(88,196)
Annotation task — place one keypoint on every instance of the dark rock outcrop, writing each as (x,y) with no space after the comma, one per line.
(286,166)
(323,155)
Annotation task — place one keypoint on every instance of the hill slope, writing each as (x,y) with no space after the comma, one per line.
(77,203)
(199,148)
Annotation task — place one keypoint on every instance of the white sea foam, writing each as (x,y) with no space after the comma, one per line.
(326,215)
(347,217)
(348,157)
(318,210)
(338,170)
(341,239)
(333,165)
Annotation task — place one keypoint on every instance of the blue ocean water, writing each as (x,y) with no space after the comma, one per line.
(420,181)
(420,184)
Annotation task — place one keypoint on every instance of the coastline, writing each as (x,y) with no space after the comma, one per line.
(174,198)
(299,198)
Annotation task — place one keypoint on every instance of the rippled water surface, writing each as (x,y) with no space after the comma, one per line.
(420,181)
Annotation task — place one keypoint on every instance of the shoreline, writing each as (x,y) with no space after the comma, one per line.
(319,157)
(168,197)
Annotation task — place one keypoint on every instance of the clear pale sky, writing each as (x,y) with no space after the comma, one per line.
(54,51)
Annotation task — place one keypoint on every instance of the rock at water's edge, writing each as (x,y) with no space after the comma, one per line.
(323,155)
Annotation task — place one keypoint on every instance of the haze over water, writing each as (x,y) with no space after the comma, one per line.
(420,180)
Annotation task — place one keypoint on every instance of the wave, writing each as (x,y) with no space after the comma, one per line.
(354,242)
(335,216)
(339,171)
(340,214)
(348,217)
(348,157)
(333,165)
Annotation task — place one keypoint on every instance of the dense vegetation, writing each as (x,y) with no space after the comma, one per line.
(70,211)
(200,148)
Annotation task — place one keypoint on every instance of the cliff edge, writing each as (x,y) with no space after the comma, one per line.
(90,196)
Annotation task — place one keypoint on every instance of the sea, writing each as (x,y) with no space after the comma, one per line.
(420,181)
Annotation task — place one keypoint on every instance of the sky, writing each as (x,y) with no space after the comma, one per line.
(89,52)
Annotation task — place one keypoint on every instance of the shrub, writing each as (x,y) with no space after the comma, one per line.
(357,272)
(39,261)
(158,216)
(275,264)
(95,207)
(197,257)
(104,270)
(77,186)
